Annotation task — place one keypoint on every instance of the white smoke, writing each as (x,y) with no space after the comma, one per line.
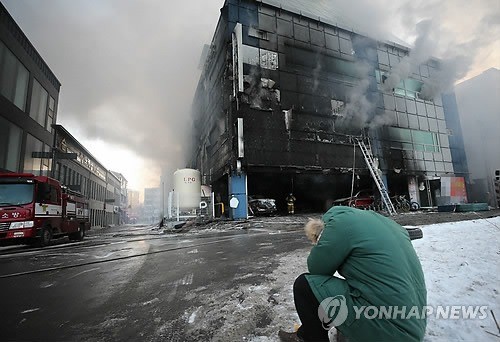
(316,73)
(423,49)
(358,108)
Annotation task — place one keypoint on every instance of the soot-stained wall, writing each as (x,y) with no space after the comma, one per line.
(304,89)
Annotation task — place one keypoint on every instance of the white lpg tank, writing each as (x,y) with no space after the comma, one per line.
(187,185)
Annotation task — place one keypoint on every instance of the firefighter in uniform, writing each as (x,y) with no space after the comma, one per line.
(290,201)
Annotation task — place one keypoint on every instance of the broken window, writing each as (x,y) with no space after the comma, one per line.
(259,57)
(337,107)
(261,34)
(409,88)
(268,59)
(250,55)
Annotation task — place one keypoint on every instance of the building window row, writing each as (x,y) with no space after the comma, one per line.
(415,107)
(97,217)
(301,30)
(393,57)
(409,88)
(90,189)
(79,182)
(103,218)
(97,191)
(411,139)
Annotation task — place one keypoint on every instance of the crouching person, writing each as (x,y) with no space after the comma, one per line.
(382,296)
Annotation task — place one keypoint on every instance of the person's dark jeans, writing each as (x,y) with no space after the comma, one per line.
(307,306)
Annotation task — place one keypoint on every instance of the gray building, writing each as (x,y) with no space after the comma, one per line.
(88,176)
(479,106)
(152,204)
(29,93)
(134,206)
(286,89)
(123,203)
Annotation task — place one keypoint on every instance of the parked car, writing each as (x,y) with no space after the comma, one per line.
(259,205)
(363,199)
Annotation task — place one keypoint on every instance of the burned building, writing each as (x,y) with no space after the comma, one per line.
(287,89)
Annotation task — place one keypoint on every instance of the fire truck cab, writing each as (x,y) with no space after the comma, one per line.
(34,209)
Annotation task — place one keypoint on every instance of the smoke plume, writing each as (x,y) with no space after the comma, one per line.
(128,68)
(358,108)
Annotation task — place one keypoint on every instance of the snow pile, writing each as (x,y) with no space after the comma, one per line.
(461,266)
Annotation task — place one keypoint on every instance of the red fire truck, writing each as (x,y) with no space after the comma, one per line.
(34,209)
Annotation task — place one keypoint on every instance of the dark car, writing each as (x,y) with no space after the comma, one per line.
(258,205)
(363,199)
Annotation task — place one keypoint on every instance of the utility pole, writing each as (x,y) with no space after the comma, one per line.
(162,199)
(54,148)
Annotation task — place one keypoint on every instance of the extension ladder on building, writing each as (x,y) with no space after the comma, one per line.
(367,154)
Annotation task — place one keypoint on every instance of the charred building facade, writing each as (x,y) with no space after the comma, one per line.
(285,91)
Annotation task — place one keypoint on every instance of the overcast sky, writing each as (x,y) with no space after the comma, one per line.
(128,68)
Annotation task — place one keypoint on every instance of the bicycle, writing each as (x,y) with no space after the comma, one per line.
(400,203)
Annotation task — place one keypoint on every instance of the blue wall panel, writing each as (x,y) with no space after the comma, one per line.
(237,188)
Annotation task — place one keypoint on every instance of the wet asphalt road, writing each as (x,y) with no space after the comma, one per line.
(129,283)
(134,283)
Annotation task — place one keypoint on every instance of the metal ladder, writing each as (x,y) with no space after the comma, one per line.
(367,154)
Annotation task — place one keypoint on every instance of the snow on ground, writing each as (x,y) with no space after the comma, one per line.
(460,261)
(201,226)
(251,312)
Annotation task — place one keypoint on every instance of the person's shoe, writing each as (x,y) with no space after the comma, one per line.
(289,336)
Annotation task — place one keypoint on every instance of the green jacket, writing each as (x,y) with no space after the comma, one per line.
(375,256)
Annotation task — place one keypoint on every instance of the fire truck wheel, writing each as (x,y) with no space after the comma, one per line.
(79,235)
(45,236)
